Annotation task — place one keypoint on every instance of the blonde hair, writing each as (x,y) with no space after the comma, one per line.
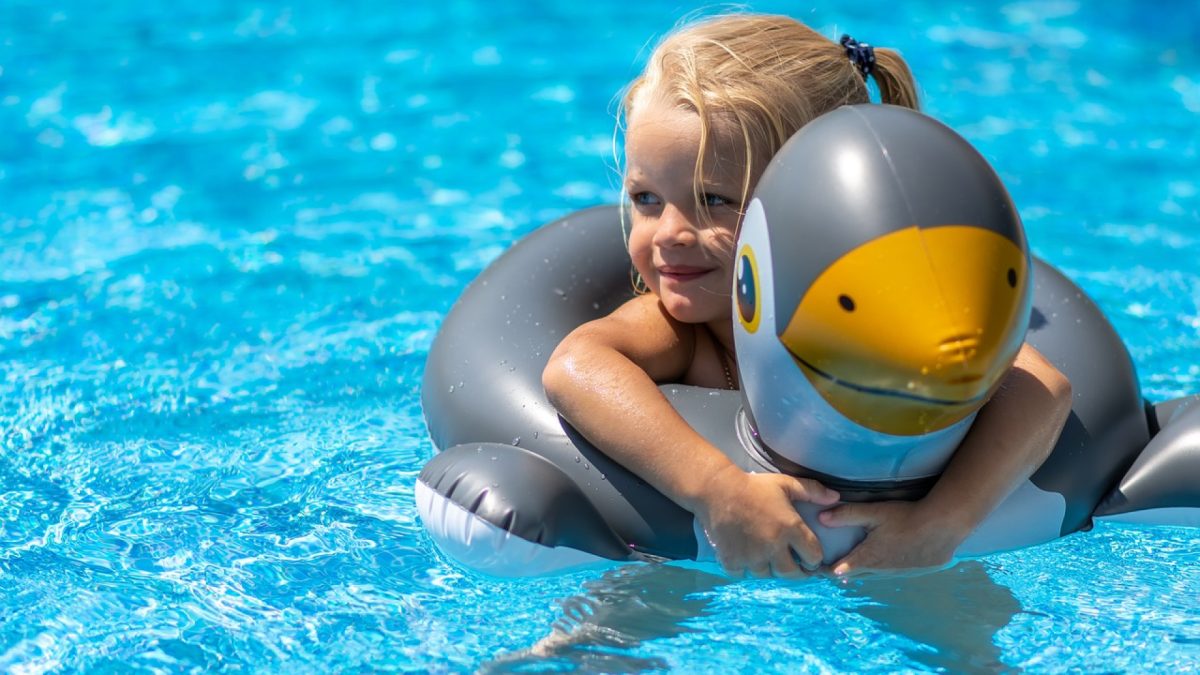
(759,78)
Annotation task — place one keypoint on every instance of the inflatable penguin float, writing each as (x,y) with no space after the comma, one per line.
(883,287)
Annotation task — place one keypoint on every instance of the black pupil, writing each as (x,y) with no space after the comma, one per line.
(1012,277)
(747,294)
(846,302)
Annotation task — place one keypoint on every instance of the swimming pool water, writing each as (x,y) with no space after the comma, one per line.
(231,229)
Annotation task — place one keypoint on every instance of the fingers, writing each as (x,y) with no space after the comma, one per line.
(804,547)
(844,572)
(767,537)
(845,515)
(846,567)
(808,557)
(784,565)
(782,562)
(733,567)
(760,570)
(807,490)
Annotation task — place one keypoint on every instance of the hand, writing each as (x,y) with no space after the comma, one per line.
(753,526)
(902,538)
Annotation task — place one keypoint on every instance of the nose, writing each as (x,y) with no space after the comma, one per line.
(675,228)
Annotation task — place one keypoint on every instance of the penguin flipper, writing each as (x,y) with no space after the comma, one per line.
(1163,485)
(507,512)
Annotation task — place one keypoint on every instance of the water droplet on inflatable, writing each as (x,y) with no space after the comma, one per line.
(451,389)
(503,297)
(559,291)
(535,434)
(578,459)
(479,450)
(503,361)
(587,467)
(603,477)
(714,393)
(460,385)
(516,441)
(511,368)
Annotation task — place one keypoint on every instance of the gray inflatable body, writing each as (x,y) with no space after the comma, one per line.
(515,491)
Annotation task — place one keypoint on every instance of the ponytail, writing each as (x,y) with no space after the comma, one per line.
(895,80)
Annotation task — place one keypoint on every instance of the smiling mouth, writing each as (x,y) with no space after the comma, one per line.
(682,273)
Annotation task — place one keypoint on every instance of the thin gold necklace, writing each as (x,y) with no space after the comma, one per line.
(724,364)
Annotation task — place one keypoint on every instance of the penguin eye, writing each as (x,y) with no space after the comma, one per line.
(1012,278)
(846,302)
(747,290)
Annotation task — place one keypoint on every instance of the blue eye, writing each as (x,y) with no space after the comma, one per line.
(747,290)
(644,198)
(711,200)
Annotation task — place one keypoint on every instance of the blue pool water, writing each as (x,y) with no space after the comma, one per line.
(230,231)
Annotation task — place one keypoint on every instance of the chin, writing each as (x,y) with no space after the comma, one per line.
(688,312)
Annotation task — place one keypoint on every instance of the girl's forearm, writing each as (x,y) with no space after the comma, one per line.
(1011,437)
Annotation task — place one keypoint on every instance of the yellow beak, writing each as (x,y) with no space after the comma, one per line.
(911,332)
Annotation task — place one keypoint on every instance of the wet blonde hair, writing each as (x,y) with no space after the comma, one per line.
(758,78)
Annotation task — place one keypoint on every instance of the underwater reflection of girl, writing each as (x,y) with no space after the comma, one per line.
(951,615)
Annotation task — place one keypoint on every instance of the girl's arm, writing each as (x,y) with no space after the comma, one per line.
(1011,437)
(602,379)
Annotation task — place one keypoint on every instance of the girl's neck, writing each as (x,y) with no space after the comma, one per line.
(722,330)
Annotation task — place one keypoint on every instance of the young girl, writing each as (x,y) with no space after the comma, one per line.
(716,101)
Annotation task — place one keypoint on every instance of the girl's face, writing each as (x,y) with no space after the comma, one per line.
(684,260)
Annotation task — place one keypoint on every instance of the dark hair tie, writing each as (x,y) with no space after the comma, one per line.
(861,54)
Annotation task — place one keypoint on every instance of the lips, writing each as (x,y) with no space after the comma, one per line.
(683,272)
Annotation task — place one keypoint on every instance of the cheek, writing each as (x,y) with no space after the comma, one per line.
(641,247)
(723,285)
(720,244)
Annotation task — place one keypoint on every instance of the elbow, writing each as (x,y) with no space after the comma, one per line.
(553,377)
(1045,382)
(1061,393)
(1060,389)
(559,374)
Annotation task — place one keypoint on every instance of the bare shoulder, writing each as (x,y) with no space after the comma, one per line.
(643,331)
